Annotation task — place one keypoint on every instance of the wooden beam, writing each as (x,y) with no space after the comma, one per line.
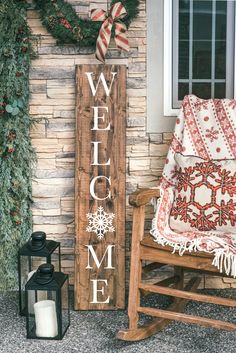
(165,282)
(135,266)
(199,320)
(168,258)
(149,241)
(142,196)
(187,295)
(152,266)
(205,272)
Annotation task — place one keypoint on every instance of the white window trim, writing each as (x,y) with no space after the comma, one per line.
(156,121)
(235,53)
(168,65)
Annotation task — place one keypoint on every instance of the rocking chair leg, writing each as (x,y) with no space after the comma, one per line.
(158,324)
(135,267)
(180,284)
(178,271)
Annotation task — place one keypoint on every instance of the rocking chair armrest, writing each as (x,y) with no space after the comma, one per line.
(142,196)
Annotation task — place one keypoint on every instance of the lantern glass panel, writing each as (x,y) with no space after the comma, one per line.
(24,271)
(65,306)
(31,301)
(55,259)
(36,261)
(28,265)
(42,318)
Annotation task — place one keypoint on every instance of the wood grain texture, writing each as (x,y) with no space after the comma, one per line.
(143,196)
(174,280)
(198,320)
(135,266)
(112,145)
(187,260)
(187,295)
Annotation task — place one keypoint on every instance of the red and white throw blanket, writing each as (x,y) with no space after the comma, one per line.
(207,129)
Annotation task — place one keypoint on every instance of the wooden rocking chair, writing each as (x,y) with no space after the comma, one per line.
(191,130)
(145,249)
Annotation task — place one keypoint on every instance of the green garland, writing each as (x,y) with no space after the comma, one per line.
(16,153)
(62,22)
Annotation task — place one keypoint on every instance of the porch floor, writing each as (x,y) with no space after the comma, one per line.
(94,332)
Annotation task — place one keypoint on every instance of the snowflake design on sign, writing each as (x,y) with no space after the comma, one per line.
(100,222)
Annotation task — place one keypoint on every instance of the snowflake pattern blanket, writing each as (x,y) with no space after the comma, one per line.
(206,129)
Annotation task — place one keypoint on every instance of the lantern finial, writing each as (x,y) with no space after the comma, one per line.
(38,241)
(45,274)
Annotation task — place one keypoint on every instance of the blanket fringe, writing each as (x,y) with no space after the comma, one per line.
(223,260)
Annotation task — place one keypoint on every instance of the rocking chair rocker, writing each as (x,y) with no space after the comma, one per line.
(144,248)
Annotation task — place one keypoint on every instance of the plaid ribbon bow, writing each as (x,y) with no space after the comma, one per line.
(116,12)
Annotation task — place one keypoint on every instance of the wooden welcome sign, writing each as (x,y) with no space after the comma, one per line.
(100,187)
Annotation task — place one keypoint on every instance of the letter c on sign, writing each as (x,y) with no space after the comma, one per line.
(92,185)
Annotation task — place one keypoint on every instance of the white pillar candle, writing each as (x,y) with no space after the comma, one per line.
(46,318)
(30,274)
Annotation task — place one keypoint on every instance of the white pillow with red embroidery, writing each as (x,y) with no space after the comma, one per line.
(205,195)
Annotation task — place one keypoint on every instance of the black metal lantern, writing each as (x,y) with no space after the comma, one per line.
(36,251)
(47,297)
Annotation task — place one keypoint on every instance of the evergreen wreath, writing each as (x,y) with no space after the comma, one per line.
(61,20)
(16,153)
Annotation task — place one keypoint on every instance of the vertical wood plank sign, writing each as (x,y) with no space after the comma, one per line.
(100,187)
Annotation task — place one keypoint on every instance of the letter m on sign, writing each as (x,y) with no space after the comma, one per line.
(100,187)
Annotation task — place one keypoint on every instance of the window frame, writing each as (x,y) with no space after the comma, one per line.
(156,121)
(171,71)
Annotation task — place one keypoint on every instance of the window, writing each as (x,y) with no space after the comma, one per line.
(199,40)
(202,44)
(190,49)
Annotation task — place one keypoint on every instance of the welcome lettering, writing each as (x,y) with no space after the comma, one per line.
(100,187)
(96,118)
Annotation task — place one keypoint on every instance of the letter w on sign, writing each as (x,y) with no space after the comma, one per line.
(100,187)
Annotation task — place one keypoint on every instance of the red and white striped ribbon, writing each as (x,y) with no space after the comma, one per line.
(116,12)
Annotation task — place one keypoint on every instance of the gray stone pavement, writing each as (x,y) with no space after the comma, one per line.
(94,331)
